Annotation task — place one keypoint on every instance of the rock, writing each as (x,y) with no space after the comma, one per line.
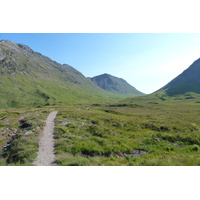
(28,132)
(137,153)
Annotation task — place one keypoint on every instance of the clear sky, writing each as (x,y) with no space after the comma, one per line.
(147,61)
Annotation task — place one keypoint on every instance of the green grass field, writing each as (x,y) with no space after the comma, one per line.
(137,133)
(147,133)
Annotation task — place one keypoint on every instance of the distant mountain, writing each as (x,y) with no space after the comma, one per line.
(116,85)
(188,81)
(28,79)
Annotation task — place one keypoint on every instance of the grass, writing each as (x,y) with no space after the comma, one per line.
(169,133)
(40,93)
(166,132)
(92,129)
(20,133)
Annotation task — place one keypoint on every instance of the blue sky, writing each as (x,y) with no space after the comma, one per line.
(147,61)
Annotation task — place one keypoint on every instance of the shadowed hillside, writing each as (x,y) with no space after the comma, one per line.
(188,81)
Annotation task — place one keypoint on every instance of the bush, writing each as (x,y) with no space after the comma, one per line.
(71,125)
(170,148)
(195,148)
(23,151)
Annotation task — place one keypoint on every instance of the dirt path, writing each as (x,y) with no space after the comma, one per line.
(46,155)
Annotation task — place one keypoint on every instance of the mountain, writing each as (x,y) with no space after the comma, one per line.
(188,81)
(115,85)
(27,78)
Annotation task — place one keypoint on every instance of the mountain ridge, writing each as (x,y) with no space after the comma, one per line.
(27,78)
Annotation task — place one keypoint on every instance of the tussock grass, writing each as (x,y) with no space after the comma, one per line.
(23,138)
(169,133)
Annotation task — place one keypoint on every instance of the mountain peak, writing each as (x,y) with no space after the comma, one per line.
(16,46)
(105,74)
(6,41)
(115,85)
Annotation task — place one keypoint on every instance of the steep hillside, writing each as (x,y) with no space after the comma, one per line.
(115,85)
(28,78)
(185,86)
(188,81)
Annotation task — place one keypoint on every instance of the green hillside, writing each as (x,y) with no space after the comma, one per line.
(28,79)
(185,87)
(94,127)
(115,85)
(188,81)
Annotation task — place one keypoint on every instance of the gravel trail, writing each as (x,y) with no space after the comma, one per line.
(46,155)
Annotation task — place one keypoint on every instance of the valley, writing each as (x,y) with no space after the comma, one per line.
(100,121)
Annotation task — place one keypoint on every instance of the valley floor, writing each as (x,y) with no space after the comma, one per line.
(137,133)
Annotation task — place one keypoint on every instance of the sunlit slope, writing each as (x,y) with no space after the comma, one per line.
(28,78)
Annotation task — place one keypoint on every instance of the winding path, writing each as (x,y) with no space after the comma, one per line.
(46,155)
